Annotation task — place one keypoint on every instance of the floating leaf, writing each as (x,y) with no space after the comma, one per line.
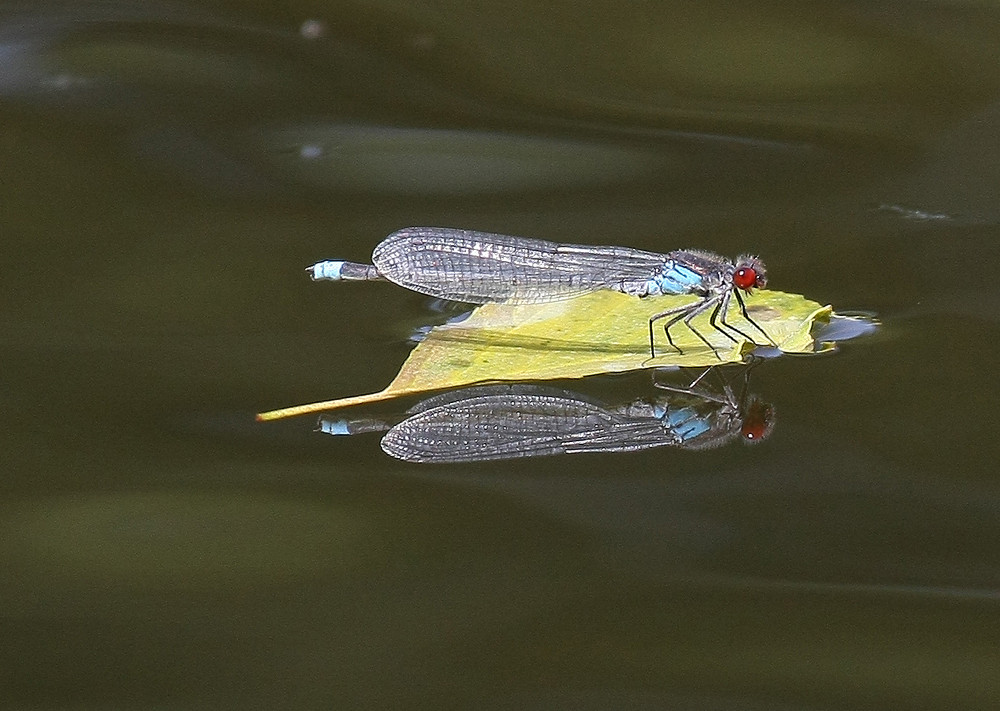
(599,332)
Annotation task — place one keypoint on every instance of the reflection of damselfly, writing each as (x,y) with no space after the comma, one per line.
(477,267)
(523,420)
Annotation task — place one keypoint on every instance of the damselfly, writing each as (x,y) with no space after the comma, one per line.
(479,267)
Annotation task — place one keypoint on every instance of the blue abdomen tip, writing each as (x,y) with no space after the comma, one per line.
(326,270)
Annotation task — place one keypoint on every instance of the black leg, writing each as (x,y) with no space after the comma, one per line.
(687,313)
(743,309)
(722,318)
(663,314)
(701,308)
(723,305)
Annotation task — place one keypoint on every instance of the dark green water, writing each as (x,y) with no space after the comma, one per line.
(167,173)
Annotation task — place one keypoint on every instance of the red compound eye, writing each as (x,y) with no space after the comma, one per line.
(745,278)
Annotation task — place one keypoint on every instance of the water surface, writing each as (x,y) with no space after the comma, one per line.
(169,171)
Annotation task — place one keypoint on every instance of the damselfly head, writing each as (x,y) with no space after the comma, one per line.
(749,273)
(758,421)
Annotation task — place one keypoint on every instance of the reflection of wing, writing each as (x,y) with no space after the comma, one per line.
(507,423)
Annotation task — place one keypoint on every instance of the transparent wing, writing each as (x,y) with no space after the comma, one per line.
(479,267)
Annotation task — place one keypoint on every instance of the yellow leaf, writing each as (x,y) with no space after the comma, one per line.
(600,332)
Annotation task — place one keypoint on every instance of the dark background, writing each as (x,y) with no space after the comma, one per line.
(168,170)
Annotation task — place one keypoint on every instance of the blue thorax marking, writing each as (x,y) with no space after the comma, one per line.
(674,278)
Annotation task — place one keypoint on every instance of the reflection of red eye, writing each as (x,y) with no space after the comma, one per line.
(753,431)
(758,422)
(745,278)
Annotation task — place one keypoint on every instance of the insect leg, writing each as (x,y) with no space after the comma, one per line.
(715,320)
(687,318)
(681,310)
(743,309)
(721,312)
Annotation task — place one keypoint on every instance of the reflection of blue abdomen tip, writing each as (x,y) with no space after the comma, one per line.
(329,270)
(334,427)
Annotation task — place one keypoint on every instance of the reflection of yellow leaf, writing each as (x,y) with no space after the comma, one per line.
(600,332)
